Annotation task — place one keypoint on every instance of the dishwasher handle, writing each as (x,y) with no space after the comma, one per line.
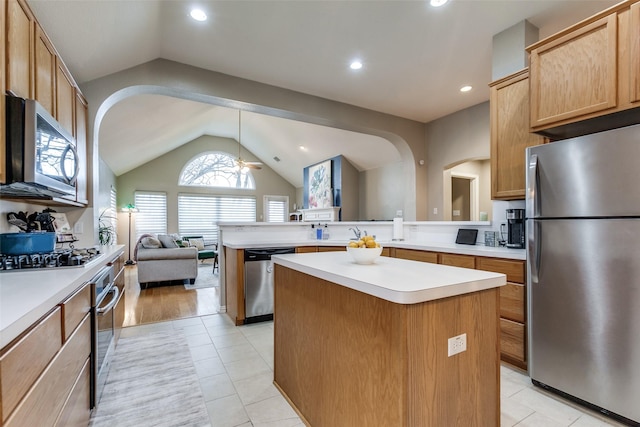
(264,254)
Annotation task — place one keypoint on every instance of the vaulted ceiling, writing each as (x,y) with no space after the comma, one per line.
(415,59)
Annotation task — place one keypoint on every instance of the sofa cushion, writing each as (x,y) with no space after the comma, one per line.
(150,243)
(198,243)
(167,254)
(167,241)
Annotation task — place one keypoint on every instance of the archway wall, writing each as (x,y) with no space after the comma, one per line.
(451,140)
(175,79)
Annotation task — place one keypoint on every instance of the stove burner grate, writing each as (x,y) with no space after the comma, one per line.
(56,259)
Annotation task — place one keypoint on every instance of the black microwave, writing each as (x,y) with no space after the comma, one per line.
(42,160)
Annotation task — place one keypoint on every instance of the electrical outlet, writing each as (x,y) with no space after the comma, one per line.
(457,344)
(435,211)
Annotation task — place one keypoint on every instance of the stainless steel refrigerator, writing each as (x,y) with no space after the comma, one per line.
(583,256)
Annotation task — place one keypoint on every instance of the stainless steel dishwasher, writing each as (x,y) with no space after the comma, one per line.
(258,282)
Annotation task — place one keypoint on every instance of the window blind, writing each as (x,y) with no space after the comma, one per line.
(113,206)
(198,214)
(276,208)
(152,213)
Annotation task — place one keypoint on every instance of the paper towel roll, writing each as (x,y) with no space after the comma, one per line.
(397,229)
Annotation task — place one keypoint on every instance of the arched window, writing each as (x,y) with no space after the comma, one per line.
(216,169)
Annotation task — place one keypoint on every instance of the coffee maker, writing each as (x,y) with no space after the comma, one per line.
(515,228)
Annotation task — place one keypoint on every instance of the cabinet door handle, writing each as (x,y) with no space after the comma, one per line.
(533,200)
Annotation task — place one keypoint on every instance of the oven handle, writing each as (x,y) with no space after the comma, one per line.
(102,310)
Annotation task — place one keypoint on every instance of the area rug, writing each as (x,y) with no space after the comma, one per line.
(206,278)
(152,382)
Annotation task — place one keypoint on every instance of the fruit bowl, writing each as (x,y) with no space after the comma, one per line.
(364,255)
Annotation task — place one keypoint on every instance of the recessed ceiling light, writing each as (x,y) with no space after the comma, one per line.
(437,3)
(198,15)
(465,88)
(355,65)
(302,148)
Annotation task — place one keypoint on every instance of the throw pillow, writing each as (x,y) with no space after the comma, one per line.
(167,241)
(150,243)
(198,243)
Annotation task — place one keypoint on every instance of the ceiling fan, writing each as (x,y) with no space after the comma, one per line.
(240,161)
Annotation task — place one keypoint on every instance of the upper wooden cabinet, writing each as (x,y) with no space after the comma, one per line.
(65,97)
(585,72)
(3,133)
(509,105)
(45,68)
(634,52)
(80,133)
(19,48)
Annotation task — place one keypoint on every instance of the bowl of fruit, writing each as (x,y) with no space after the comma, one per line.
(364,251)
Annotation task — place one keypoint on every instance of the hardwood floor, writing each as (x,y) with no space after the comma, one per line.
(161,303)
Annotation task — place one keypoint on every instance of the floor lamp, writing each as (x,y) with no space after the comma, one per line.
(131,209)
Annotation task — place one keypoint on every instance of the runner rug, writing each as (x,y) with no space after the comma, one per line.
(152,382)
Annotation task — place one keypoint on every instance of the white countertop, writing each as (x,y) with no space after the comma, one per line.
(392,279)
(25,296)
(478,250)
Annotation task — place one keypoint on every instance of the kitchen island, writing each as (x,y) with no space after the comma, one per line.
(367,345)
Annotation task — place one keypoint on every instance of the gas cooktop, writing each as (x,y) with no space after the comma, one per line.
(60,258)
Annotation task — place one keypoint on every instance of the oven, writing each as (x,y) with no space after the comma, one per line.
(107,295)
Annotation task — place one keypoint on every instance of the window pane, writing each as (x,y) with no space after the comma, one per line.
(197,214)
(216,170)
(276,208)
(152,213)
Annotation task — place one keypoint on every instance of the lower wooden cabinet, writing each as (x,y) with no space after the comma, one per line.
(513,313)
(76,412)
(45,373)
(512,342)
(464,261)
(234,284)
(331,248)
(512,296)
(23,362)
(415,255)
(45,400)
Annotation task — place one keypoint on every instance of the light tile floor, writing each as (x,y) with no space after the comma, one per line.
(235,368)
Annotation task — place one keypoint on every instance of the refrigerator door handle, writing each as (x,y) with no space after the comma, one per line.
(533,237)
(532,187)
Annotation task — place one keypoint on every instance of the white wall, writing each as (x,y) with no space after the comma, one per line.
(381,193)
(452,139)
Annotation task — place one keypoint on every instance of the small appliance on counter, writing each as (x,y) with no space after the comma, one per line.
(515,228)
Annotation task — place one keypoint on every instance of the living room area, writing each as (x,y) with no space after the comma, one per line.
(172,300)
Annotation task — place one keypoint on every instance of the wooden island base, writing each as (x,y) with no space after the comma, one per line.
(346,358)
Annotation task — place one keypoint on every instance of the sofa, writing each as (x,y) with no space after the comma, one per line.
(160,259)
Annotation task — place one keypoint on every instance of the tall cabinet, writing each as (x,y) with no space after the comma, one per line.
(32,68)
(3,133)
(509,105)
